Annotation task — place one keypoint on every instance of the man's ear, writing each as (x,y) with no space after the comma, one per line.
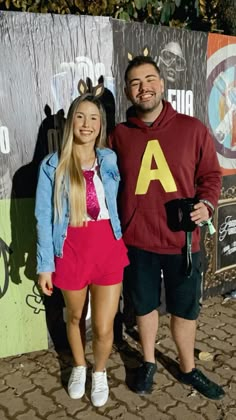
(162,85)
(126,93)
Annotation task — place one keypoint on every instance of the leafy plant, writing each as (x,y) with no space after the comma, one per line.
(206,15)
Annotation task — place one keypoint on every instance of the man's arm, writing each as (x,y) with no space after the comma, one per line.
(208,176)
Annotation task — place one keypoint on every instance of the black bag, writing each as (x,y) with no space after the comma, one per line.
(178,214)
(178,218)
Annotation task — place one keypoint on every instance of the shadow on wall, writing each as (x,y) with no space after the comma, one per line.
(23,223)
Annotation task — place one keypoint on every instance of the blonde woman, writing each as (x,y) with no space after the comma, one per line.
(79,236)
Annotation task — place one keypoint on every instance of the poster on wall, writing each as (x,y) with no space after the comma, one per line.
(221,89)
(181,56)
(220,275)
(42,59)
(225,240)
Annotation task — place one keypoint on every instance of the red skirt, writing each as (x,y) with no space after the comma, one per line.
(91,255)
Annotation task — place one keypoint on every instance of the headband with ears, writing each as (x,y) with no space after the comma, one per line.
(145,54)
(88,88)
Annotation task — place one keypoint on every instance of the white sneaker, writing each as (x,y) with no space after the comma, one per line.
(76,384)
(100,390)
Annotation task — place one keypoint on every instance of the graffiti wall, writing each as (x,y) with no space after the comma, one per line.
(42,59)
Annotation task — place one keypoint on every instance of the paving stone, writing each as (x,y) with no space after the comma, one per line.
(231,415)
(46,381)
(216,344)
(12,403)
(3,415)
(93,415)
(163,380)
(227,320)
(29,415)
(3,386)
(62,399)
(201,335)
(118,411)
(169,344)
(230,329)
(48,361)
(225,372)
(232,390)
(118,373)
(122,393)
(214,322)
(6,368)
(162,399)
(212,410)
(32,385)
(152,412)
(181,411)
(18,383)
(131,416)
(228,310)
(211,332)
(59,415)
(42,403)
(183,393)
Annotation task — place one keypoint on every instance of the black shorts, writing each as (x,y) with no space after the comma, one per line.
(143,279)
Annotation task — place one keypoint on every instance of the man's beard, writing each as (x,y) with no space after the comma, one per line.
(148,107)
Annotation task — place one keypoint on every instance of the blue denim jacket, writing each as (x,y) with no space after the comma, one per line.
(51,235)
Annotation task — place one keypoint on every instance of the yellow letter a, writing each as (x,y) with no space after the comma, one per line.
(162,173)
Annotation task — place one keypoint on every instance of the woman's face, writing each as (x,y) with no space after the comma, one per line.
(87,123)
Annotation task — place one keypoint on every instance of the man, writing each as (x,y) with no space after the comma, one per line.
(163,156)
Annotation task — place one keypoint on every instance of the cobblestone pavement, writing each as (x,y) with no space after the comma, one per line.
(33,385)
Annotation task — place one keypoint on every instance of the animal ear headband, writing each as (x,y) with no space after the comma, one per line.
(87,88)
(145,54)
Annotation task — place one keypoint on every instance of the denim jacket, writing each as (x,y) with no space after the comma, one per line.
(51,235)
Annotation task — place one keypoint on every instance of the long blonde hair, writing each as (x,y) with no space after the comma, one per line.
(69,172)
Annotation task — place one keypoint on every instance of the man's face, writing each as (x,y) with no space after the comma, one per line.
(144,88)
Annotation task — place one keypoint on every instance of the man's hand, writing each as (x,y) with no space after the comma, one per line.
(45,283)
(200,213)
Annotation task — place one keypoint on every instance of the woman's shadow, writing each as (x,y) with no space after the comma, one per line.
(23,228)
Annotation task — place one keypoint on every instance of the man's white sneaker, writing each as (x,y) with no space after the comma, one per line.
(100,390)
(76,384)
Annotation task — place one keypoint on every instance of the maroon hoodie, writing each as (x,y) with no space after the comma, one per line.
(173,158)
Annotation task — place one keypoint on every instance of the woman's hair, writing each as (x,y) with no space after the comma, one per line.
(69,171)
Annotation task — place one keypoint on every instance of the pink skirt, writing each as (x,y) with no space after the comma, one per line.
(91,255)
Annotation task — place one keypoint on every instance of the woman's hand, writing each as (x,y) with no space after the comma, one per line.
(45,283)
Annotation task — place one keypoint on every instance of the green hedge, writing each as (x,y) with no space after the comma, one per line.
(205,15)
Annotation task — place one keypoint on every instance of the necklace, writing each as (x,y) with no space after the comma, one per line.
(88,167)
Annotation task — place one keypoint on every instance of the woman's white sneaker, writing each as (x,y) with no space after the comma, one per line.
(100,390)
(76,384)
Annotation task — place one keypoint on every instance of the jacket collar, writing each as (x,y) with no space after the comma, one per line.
(101,153)
(53,160)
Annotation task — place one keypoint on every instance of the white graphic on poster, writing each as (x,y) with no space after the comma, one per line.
(181,100)
(173,67)
(5,177)
(64,83)
(226,129)
(227,228)
(221,79)
(172,62)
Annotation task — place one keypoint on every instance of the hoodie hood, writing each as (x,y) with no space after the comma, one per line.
(167,114)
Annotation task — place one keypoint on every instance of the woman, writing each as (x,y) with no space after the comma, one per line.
(79,236)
